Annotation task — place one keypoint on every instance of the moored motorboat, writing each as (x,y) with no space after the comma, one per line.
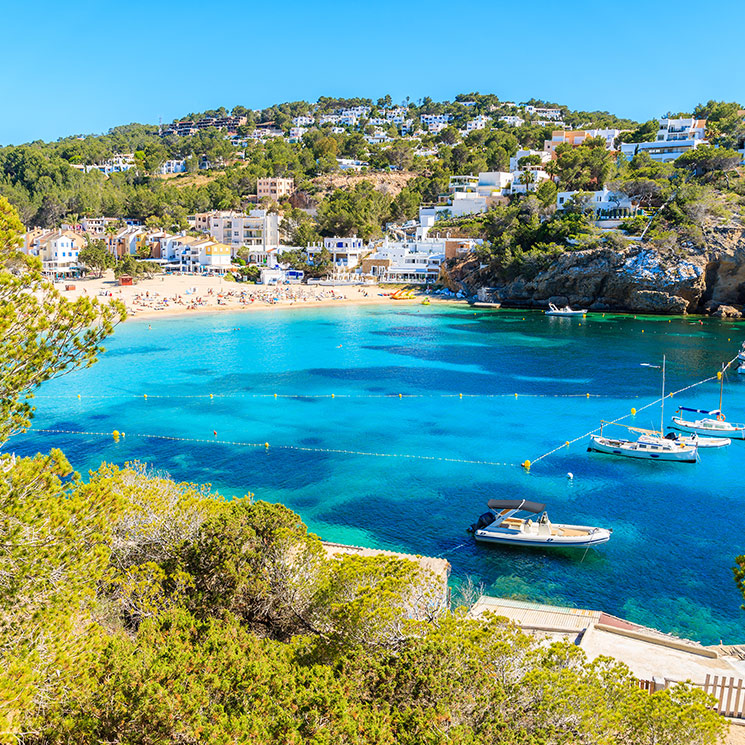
(553,310)
(500,526)
(713,424)
(656,449)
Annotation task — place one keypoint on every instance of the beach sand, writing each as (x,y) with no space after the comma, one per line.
(176,294)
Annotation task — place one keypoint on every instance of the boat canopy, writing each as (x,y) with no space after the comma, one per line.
(713,412)
(515,504)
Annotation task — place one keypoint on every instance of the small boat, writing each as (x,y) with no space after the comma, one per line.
(713,424)
(565,311)
(693,439)
(741,353)
(499,526)
(657,449)
(741,368)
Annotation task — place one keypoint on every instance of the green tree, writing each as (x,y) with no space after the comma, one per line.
(96,256)
(43,335)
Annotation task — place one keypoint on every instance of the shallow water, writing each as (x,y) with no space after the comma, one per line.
(677,527)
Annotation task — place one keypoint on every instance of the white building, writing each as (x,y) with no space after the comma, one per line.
(258,229)
(544,156)
(576,137)
(172,166)
(674,137)
(303,121)
(115,164)
(479,122)
(58,251)
(296,133)
(345,252)
(349,164)
(512,121)
(201,255)
(604,202)
(416,261)
(542,113)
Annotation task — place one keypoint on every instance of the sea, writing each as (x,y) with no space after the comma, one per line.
(392,426)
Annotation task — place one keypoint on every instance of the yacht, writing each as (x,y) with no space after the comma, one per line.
(500,526)
(712,424)
(656,448)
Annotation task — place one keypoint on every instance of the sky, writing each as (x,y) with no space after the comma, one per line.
(83,67)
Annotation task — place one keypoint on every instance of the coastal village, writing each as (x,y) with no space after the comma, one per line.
(467,200)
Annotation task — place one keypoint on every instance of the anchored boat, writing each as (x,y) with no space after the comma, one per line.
(651,449)
(553,310)
(500,526)
(712,424)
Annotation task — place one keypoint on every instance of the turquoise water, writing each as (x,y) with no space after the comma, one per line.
(677,527)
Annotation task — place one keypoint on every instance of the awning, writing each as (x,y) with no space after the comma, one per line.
(515,504)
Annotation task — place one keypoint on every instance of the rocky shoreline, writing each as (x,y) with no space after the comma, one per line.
(638,278)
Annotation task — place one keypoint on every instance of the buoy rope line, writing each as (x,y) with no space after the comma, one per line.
(527,464)
(265,445)
(319,395)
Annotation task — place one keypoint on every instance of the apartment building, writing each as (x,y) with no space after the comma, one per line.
(479,122)
(258,229)
(512,121)
(274,188)
(576,137)
(172,166)
(58,251)
(345,252)
(200,255)
(115,164)
(303,121)
(187,127)
(674,137)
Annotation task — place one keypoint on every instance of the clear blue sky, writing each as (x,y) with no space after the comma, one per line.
(80,67)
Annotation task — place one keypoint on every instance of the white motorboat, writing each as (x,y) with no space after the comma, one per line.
(741,353)
(692,439)
(741,368)
(713,424)
(553,310)
(500,526)
(657,449)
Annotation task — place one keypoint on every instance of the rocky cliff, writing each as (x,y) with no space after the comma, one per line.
(638,278)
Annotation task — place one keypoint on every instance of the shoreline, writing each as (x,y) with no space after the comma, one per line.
(170,296)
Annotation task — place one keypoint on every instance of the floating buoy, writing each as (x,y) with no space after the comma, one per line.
(570,475)
(400,395)
(588,395)
(642,331)
(332,395)
(211,396)
(719,375)
(567,443)
(526,465)
(275,395)
(516,395)
(633,412)
(144,395)
(79,395)
(214,433)
(266,445)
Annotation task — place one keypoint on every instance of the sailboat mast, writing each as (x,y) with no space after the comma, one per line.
(662,400)
(721,386)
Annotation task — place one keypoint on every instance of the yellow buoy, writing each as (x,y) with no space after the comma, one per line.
(266,444)
(719,376)
(633,412)
(400,395)
(115,434)
(567,443)
(144,395)
(642,331)
(526,465)
(588,395)
(516,395)
(79,395)
(332,395)
(460,395)
(275,395)
(211,396)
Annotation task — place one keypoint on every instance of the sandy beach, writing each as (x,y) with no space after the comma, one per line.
(175,294)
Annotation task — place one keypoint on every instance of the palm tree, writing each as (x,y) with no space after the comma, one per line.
(527,178)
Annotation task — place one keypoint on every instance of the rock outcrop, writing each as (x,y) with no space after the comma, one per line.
(637,278)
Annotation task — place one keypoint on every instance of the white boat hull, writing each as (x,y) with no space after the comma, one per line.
(509,537)
(696,441)
(566,313)
(628,449)
(700,427)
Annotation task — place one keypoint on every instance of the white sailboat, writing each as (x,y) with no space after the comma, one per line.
(713,423)
(651,445)
(553,310)
(500,526)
